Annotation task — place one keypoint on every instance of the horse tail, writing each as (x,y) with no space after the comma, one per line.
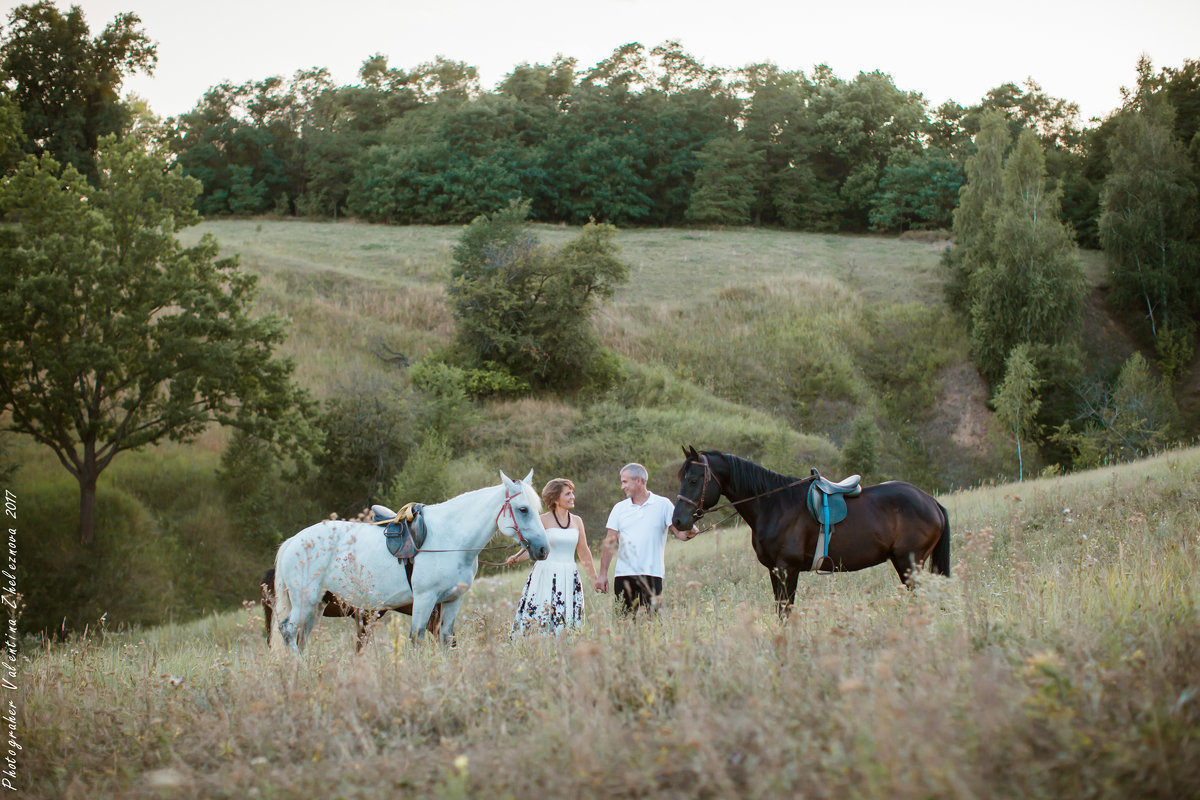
(941,551)
(283,604)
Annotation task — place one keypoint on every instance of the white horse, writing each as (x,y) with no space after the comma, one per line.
(351,560)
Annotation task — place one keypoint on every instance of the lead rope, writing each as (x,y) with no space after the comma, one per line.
(718,522)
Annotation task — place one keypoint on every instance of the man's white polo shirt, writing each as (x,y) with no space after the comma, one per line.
(642,534)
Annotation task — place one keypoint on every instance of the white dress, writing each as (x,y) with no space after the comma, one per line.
(553,598)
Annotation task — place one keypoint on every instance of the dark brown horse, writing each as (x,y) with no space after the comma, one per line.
(892,521)
(334,607)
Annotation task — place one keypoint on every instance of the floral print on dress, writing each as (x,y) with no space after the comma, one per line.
(552,601)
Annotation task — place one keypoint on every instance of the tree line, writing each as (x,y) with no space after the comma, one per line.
(648,136)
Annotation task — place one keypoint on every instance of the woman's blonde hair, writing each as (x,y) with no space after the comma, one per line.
(554,490)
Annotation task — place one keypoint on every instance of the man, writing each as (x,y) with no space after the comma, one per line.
(637,533)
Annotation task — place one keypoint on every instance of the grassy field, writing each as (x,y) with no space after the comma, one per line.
(353,284)
(1061,659)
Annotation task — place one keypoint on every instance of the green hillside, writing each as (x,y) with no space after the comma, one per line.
(800,332)
(769,344)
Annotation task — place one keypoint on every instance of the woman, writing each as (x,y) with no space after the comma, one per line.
(553,598)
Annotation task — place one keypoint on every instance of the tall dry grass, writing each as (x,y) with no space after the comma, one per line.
(1062,659)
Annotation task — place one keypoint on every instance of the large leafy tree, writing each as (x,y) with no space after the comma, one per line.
(774,121)
(526,308)
(549,85)
(1055,121)
(113,335)
(916,191)
(67,83)
(248,144)
(1060,130)
(597,154)
(1149,226)
(978,199)
(450,163)
(1032,287)
(859,125)
(725,185)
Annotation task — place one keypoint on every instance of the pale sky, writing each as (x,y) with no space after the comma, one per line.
(1083,52)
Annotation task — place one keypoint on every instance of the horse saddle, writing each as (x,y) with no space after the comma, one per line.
(404,530)
(827,504)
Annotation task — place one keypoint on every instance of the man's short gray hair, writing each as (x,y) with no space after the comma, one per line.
(636,470)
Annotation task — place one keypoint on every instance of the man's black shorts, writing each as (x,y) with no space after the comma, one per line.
(637,591)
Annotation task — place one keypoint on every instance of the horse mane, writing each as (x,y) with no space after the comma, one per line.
(534,497)
(751,478)
(531,494)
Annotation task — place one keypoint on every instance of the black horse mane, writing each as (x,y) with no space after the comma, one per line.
(750,478)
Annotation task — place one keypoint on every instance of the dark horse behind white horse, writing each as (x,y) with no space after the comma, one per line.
(333,607)
(352,561)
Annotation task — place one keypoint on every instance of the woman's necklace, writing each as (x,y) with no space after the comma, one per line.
(554,512)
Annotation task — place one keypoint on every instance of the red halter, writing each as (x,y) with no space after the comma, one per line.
(513,515)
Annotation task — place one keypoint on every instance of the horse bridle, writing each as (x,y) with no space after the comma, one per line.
(513,515)
(709,475)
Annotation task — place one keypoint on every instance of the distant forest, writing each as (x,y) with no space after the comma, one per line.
(647,137)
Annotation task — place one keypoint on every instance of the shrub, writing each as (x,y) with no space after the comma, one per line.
(1130,419)
(493,380)
(526,308)
(446,406)
(425,477)
(367,433)
(861,452)
(126,574)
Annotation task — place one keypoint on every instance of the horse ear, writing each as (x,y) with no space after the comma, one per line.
(507,481)
(693,454)
(528,479)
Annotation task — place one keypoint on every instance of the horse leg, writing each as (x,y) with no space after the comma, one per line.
(790,578)
(267,592)
(448,613)
(282,597)
(422,609)
(362,623)
(299,628)
(298,622)
(906,566)
(783,584)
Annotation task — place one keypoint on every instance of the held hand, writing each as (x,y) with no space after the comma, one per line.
(602,585)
